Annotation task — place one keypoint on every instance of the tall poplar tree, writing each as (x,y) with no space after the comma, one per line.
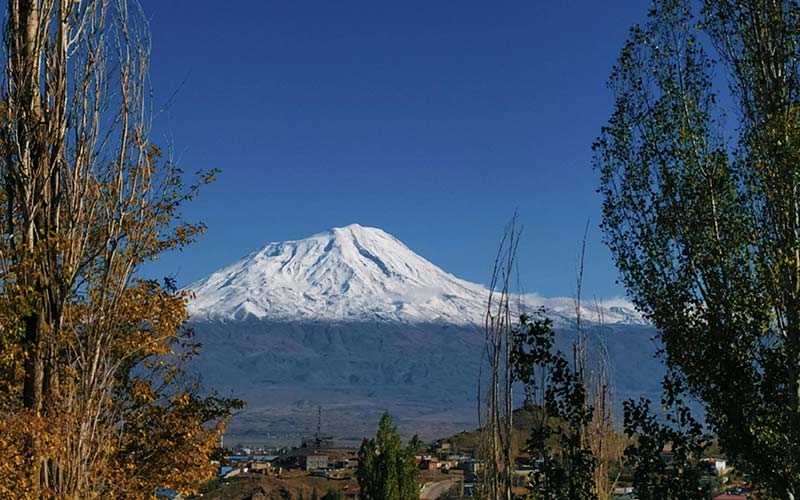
(387,470)
(93,401)
(703,215)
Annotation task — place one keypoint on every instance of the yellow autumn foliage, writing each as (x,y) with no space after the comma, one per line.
(93,400)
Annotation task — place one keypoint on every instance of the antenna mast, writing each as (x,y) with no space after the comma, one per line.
(319,422)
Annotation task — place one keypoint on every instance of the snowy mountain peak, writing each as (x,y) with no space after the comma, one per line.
(351,273)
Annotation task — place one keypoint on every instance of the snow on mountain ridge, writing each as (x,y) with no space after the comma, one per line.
(349,273)
(352,273)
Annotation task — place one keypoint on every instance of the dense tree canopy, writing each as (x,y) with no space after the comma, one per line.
(703,215)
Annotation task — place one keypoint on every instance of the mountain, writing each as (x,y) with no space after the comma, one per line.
(354,321)
(357,273)
(352,273)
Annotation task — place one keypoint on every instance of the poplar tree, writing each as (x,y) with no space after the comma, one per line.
(93,400)
(702,215)
(387,470)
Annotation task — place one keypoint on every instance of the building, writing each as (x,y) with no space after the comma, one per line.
(428,464)
(441,447)
(716,465)
(471,468)
(313,461)
(348,462)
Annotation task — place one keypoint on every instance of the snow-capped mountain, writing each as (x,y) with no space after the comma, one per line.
(351,273)
(354,321)
(357,273)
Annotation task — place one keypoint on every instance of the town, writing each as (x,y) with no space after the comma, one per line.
(320,468)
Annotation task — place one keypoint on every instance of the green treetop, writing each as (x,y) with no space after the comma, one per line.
(387,469)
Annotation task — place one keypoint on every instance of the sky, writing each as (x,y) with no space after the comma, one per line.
(432,120)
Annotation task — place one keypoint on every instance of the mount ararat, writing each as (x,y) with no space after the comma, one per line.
(354,321)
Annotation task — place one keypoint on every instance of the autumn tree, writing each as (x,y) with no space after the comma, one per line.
(703,215)
(93,399)
(387,470)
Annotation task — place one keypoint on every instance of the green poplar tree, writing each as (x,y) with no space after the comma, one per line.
(703,217)
(386,469)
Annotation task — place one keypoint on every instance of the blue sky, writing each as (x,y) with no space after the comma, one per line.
(433,120)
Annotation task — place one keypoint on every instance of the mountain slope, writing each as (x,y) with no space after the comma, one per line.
(425,375)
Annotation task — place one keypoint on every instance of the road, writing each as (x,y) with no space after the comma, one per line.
(435,490)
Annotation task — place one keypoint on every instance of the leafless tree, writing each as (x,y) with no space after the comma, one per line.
(601,436)
(589,367)
(497,428)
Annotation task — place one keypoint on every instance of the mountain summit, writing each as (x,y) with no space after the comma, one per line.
(354,274)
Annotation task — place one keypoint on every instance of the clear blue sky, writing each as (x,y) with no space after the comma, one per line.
(432,120)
